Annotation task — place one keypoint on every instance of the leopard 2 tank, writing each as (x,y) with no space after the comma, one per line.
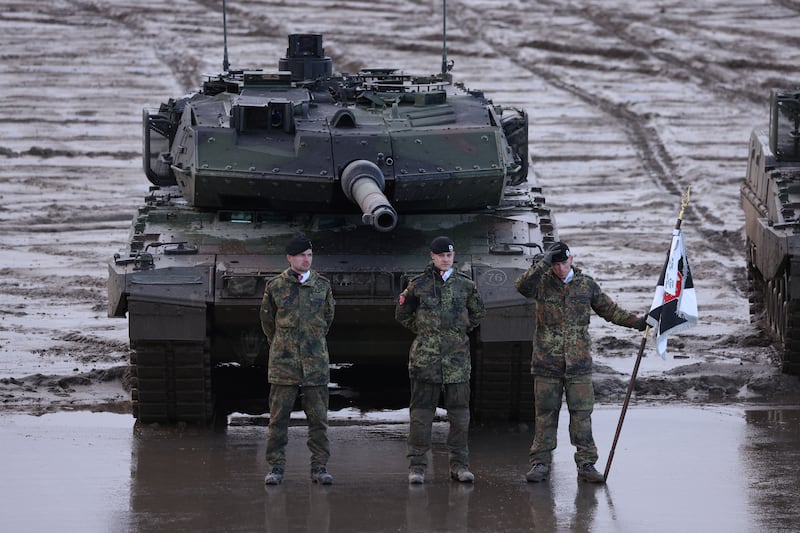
(770,197)
(371,166)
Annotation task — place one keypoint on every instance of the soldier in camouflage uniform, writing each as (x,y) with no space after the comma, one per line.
(296,313)
(441,306)
(561,359)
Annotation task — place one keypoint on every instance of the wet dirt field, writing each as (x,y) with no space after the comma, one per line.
(630,104)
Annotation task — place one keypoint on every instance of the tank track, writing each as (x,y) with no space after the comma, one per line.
(772,302)
(171,381)
(502,386)
(755,283)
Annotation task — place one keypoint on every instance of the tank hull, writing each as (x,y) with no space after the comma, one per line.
(192,304)
(770,198)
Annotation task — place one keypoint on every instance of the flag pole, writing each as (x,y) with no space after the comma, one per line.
(684,203)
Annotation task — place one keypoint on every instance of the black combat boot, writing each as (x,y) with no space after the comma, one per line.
(590,474)
(275,477)
(538,472)
(462,474)
(416,475)
(320,475)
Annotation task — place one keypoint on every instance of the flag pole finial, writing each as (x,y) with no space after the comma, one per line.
(685,201)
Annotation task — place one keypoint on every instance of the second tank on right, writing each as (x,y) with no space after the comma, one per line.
(770,197)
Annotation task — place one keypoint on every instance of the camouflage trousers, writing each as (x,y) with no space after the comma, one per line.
(315,405)
(547,393)
(424,400)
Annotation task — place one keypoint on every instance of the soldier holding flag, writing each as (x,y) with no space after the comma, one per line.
(561,362)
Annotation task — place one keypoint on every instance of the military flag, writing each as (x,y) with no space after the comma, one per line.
(674,309)
(674,306)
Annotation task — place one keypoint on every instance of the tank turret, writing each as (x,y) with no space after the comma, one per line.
(371,166)
(282,140)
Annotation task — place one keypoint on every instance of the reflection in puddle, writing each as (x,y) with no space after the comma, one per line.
(677,468)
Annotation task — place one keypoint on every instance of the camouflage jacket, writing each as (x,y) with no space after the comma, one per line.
(561,342)
(295,318)
(441,314)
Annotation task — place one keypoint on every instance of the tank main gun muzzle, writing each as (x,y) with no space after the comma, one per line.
(362,183)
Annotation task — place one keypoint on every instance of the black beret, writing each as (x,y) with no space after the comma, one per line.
(298,245)
(559,252)
(442,244)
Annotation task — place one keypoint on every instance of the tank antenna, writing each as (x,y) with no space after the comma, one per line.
(225,64)
(444,39)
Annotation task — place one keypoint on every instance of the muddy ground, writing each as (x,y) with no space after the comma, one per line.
(630,104)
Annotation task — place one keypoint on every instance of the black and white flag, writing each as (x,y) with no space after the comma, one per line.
(674,306)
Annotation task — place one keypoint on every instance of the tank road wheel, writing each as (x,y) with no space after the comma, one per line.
(502,385)
(772,300)
(782,317)
(768,307)
(791,325)
(171,382)
(756,289)
(780,309)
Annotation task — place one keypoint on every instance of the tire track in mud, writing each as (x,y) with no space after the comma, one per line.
(614,25)
(653,153)
(179,56)
(788,4)
(73,75)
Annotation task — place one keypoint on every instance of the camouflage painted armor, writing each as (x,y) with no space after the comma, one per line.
(295,318)
(561,345)
(441,314)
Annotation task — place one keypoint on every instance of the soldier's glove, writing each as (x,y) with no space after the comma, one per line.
(546,257)
(641,323)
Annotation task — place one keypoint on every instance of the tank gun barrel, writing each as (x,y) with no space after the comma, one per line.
(362,183)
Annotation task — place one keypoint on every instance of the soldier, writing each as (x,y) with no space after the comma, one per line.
(561,360)
(296,313)
(441,306)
